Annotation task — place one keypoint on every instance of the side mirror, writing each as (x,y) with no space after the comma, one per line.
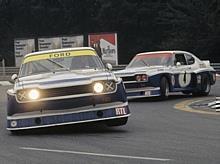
(178,64)
(14,77)
(109,66)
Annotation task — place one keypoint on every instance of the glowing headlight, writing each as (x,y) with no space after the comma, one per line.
(98,87)
(33,94)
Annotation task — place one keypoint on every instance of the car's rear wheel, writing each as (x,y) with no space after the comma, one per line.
(164,88)
(205,87)
(117,122)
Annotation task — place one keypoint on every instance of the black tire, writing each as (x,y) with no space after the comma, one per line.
(117,122)
(164,88)
(186,92)
(205,87)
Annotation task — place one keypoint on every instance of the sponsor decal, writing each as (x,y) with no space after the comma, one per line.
(106,46)
(21,48)
(60,42)
(120,111)
(58,55)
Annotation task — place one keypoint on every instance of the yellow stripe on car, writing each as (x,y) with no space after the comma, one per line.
(61,54)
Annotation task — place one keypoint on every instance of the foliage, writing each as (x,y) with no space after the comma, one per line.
(142,25)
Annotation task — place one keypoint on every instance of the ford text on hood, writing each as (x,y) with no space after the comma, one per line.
(65,86)
(161,72)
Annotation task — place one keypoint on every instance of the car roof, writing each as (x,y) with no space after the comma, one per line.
(157,52)
(59,50)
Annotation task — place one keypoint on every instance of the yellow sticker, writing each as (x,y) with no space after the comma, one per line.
(61,54)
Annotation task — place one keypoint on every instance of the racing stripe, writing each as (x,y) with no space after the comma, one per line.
(58,55)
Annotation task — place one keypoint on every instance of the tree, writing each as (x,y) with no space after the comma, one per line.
(193,25)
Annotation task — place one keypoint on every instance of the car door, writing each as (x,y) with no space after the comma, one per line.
(182,71)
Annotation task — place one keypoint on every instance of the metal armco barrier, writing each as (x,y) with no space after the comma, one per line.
(216,66)
(118,67)
(6,71)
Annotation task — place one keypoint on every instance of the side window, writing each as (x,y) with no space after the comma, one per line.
(181,59)
(190,59)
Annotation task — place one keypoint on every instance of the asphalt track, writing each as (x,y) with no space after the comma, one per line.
(156,133)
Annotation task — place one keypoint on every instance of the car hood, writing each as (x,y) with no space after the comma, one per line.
(149,70)
(62,79)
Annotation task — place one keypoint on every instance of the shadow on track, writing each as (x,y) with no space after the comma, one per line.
(171,97)
(75,129)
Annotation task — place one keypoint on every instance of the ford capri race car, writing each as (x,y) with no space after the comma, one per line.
(159,73)
(65,86)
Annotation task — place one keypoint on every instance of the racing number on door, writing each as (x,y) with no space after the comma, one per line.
(120,111)
(184,79)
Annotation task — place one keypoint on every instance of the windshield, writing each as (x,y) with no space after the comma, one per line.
(61,64)
(160,59)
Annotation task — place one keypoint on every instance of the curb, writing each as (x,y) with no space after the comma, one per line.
(186,106)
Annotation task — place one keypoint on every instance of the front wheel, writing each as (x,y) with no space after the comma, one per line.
(205,87)
(164,88)
(117,121)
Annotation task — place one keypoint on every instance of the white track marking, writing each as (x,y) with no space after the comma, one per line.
(94,154)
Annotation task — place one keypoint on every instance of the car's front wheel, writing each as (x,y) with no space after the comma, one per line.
(164,88)
(117,122)
(205,87)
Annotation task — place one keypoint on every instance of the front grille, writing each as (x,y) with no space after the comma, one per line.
(136,85)
(109,86)
(129,78)
(65,91)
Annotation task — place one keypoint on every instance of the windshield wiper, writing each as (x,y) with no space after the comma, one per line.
(145,63)
(62,67)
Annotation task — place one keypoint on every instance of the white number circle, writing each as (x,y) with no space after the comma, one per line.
(184,79)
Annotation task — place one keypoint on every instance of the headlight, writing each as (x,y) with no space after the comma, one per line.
(141,77)
(144,78)
(110,86)
(104,86)
(138,78)
(98,87)
(28,94)
(33,94)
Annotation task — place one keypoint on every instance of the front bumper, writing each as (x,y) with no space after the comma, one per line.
(40,120)
(143,92)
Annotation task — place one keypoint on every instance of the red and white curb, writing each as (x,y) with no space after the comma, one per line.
(215,104)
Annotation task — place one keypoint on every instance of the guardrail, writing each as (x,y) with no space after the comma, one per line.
(118,67)
(7,71)
(216,66)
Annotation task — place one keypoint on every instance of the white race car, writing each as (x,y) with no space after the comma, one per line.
(159,73)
